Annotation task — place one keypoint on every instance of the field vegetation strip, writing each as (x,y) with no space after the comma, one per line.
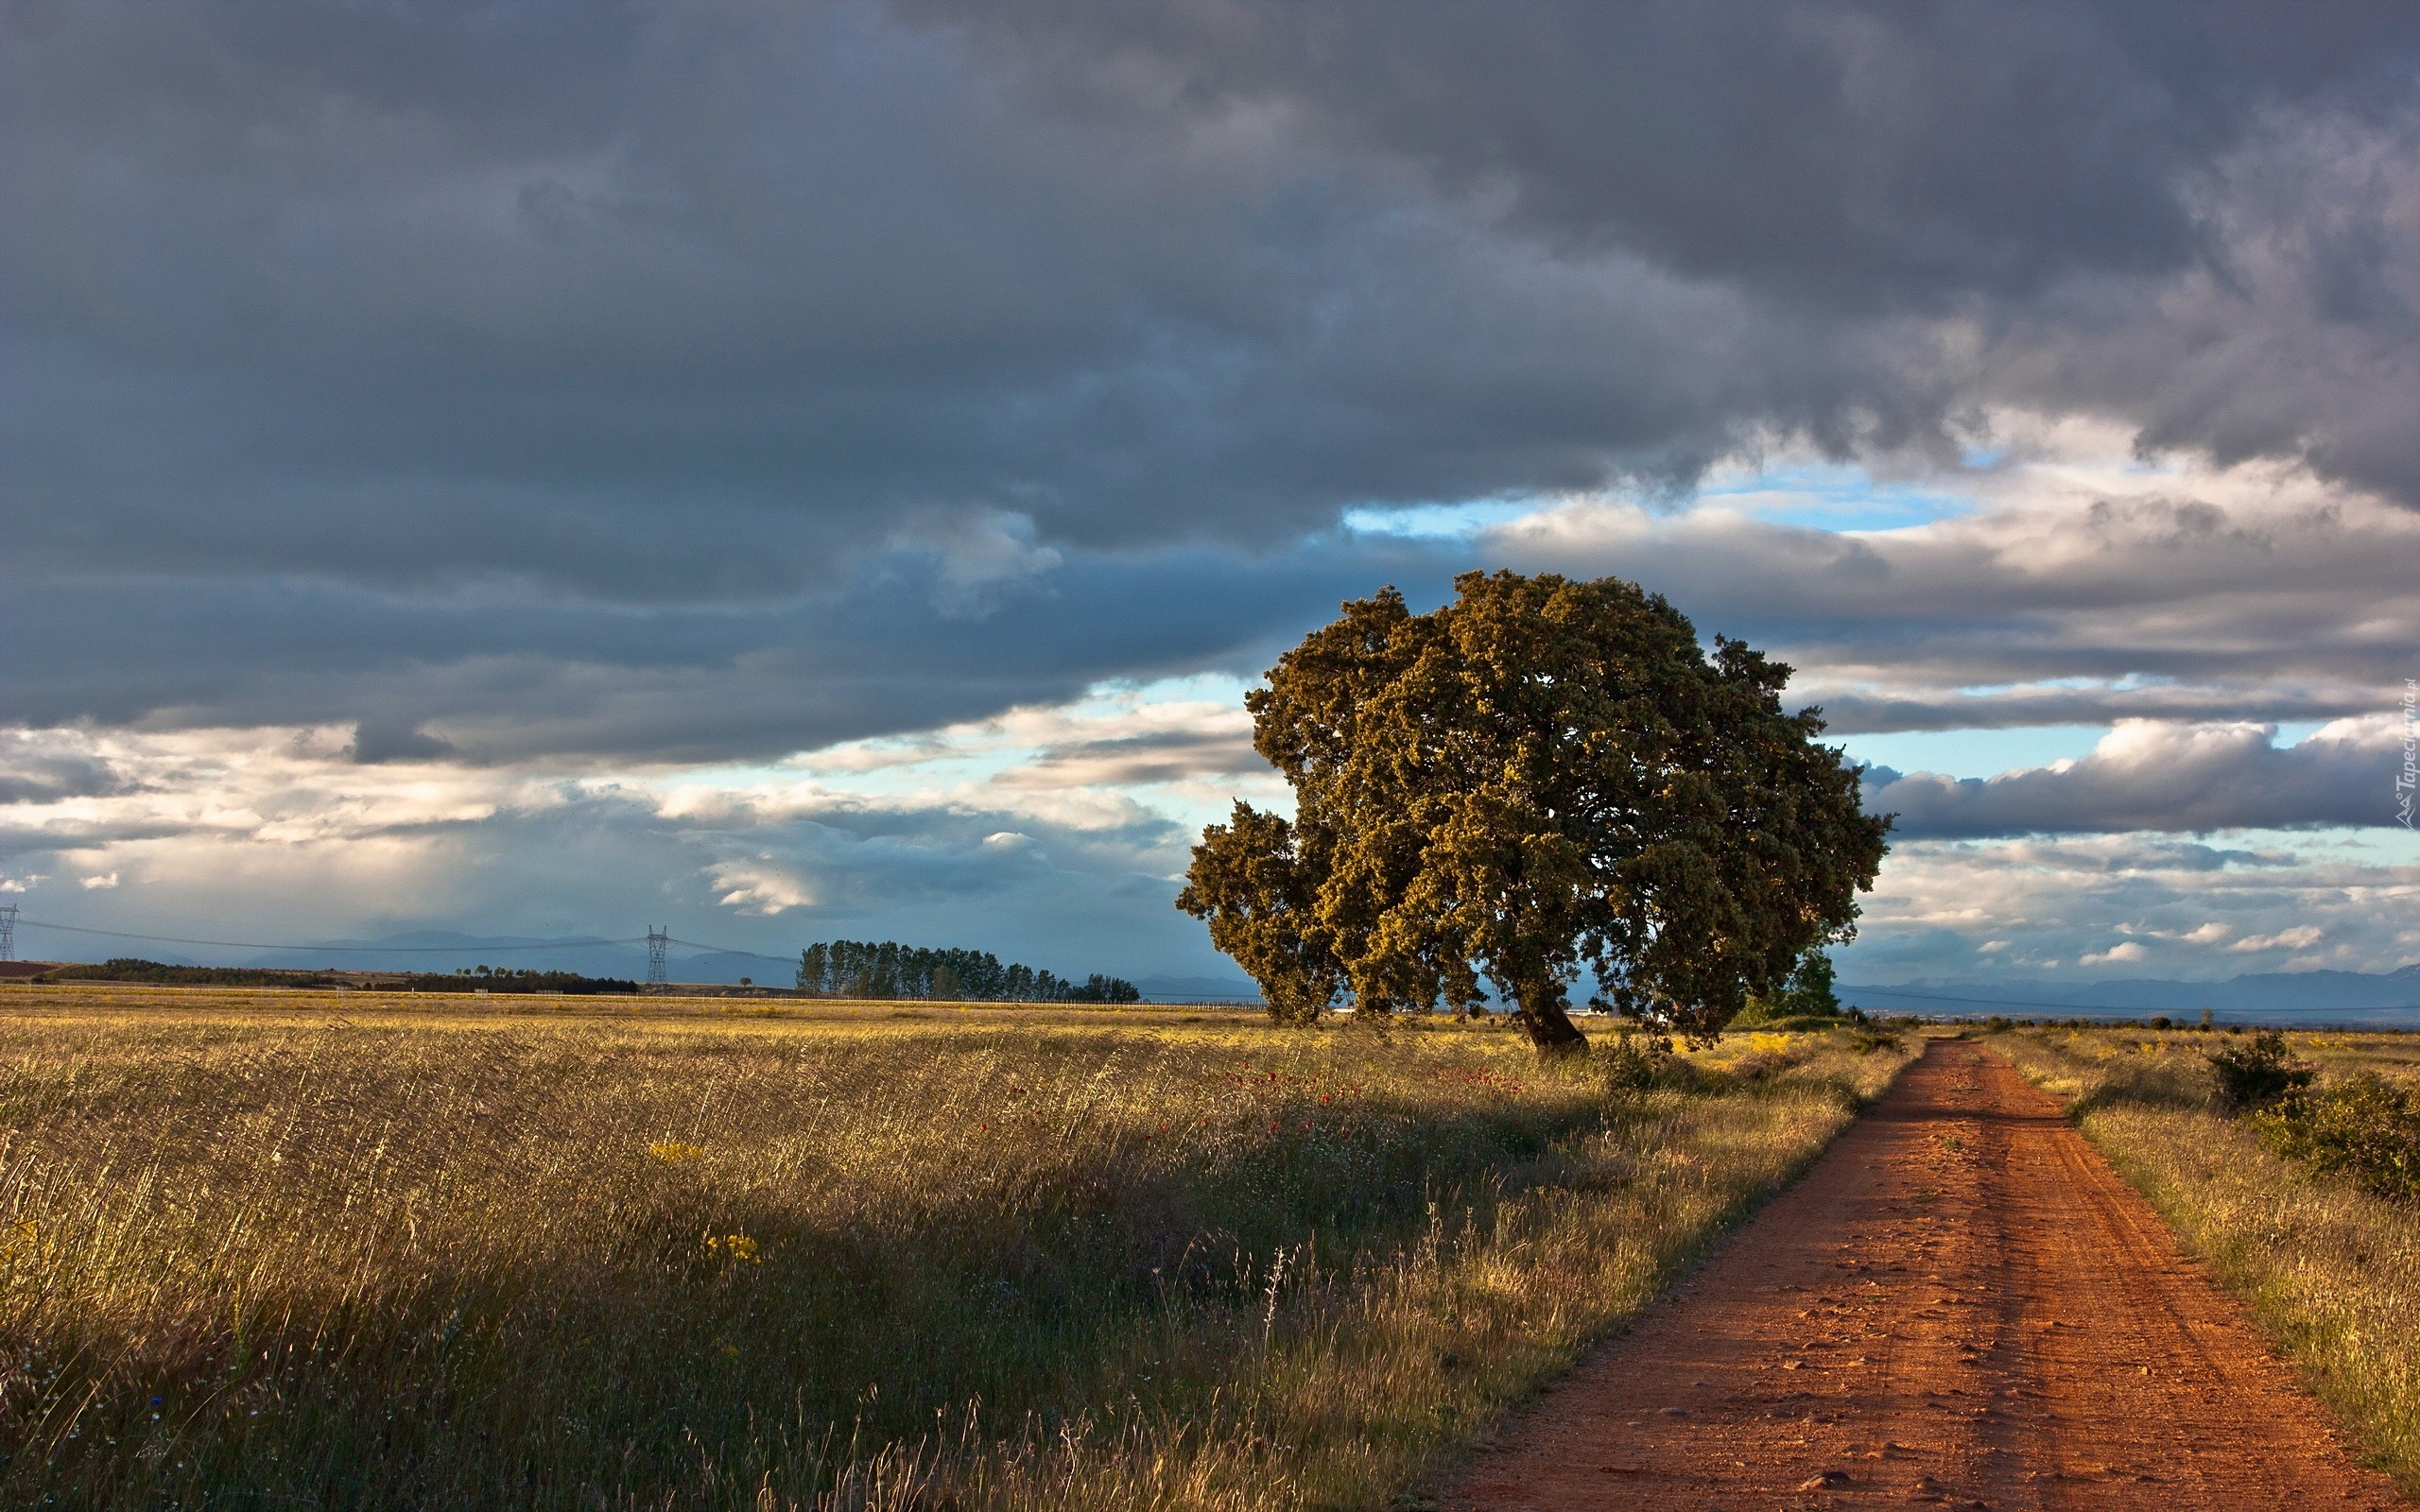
(353,1253)
(2330,1271)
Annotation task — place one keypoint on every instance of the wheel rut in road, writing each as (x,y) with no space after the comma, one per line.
(1960,1304)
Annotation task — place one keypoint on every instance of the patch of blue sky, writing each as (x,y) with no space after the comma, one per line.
(2128,683)
(1200,687)
(2131,682)
(2385,844)
(1975,753)
(1464,521)
(1831,496)
(1817,495)
(1990,752)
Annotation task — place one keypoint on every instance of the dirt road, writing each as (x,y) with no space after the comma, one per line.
(1960,1304)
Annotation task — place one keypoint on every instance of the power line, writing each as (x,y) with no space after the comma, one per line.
(655,940)
(397,949)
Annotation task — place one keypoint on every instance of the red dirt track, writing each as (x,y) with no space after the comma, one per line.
(1960,1305)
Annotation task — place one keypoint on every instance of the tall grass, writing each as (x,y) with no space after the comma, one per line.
(370,1257)
(2333,1274)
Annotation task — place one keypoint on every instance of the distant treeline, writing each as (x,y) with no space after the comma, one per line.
(568,984)
(159,973)
(862,969)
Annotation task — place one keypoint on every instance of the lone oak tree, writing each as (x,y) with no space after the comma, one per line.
(1541,776)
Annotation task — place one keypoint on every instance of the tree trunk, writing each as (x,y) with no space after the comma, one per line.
(1551,1031)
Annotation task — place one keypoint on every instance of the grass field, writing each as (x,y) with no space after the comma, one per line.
(267,1249)
(2332,1273)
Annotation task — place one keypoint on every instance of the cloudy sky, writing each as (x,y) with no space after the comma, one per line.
(795,471)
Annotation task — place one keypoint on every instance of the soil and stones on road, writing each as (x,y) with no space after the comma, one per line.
(1960,1304)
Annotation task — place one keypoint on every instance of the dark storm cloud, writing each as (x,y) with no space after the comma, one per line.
(568,378)
(2198,217)
(728,291)
(37,767)
(1871,155)
(500,676)
(375,741)
(2166,609)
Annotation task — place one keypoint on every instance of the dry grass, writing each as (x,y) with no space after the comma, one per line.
(272,1251)
(2332,1273)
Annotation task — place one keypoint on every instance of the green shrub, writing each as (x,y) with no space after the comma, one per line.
(1633,1061)
(2362,1128)
(2256,1076)
(1637,1062)
(1803,1000)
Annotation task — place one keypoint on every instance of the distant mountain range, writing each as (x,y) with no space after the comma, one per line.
(438,950)
(2378,997)
(2348,997)
(435,949)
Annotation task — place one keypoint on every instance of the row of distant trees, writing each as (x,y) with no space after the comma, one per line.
(509,979)
(862,969)
(493,979)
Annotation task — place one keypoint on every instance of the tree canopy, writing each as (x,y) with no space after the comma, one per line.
(1542,778)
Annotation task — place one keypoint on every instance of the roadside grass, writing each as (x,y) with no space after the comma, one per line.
(2332,1273)
(271,1249)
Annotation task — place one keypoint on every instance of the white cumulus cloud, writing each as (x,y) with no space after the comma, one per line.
(757,886)
(2299,938)
(2130,950)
